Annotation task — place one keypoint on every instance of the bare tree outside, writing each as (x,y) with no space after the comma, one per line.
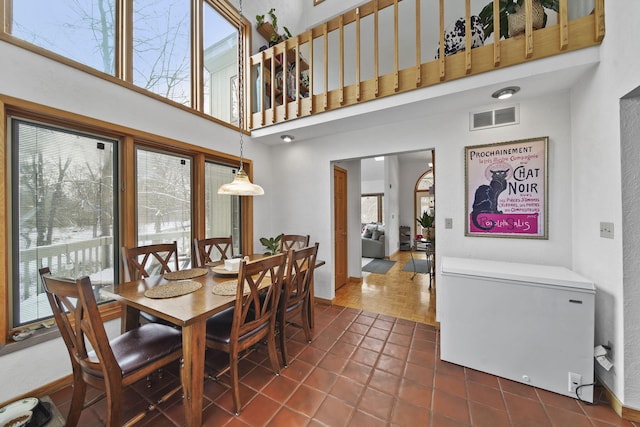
(84,30)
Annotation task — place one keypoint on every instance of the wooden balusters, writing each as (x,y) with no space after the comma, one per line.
(376,59)
(441,61)
(373,52)
(528,31)
(341,67)
(418,45)
(396,82)
(563,21)
(496,33)
(326,67)
(358,78)
(467,36)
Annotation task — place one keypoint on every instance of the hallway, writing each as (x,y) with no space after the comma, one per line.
(394,293)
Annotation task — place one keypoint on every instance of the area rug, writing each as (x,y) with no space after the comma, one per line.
(379,266)
(421,266)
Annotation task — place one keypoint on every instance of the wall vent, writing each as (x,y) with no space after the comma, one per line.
(494,118)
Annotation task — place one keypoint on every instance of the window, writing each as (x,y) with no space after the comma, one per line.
(222,212)
(371,208)
(424,196)
(82,30)
(220,66)
(161,48)
(63,212)
(163,201)
(156,54)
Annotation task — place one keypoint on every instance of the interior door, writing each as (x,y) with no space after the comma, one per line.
(340,224)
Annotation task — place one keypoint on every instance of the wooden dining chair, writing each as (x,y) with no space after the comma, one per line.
(294,300)
(143,261)
(213,250)
(252,318)
(293,241)
(113,364)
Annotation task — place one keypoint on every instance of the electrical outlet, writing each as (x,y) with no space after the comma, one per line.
(606,230)
(574,381)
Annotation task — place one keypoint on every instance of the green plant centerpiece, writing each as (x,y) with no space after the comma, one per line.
(271,244)
(515,8)
(426,222)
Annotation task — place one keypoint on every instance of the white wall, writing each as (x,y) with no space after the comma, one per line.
(596,178)
(391,205)
(372,176)
(26,370)
(448,133)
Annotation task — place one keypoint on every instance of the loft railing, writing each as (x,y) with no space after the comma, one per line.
(379,49)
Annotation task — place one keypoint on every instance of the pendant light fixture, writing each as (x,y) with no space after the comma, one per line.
(241,185)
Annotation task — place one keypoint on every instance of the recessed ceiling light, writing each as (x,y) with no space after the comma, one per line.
(287,138)
(379,158)
(506,92)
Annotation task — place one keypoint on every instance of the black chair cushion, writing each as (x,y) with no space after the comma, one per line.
(219,326)
(141,346)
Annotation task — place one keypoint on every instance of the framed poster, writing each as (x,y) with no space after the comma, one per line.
(506,189)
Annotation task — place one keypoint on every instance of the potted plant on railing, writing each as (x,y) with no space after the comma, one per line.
(513,18)
(426,222)
(269,30)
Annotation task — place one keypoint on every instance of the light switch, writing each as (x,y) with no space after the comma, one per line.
(448,223)
(606,230)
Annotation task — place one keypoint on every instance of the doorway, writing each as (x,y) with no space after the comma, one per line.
(393,293)
(340,225)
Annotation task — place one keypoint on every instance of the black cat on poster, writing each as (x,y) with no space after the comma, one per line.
(486,198)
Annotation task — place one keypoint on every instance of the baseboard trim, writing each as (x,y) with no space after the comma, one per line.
(355,279)
(624,412)
(44,390)
(323,301)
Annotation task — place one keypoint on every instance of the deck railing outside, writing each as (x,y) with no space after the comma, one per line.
(385,47)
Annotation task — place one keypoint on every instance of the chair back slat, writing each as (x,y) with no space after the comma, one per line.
(293,241)
(144,261)
(299,275)
(257,307)
(213,249)
(78,318)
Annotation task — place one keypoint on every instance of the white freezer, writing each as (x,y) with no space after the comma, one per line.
(529,323)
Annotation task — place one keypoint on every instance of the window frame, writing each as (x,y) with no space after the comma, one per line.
(128,139)
(380,200)
(13,189)
(124,53)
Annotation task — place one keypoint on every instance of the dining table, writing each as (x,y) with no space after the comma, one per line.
(190,312)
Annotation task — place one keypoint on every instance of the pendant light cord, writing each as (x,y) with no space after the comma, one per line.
(240,85)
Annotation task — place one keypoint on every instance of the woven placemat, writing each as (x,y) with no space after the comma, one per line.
(189,273)
(229,288)
(173,289)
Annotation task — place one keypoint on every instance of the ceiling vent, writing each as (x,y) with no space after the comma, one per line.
(494,118)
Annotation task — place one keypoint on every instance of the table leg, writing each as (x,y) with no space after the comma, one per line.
(311,303)
(193,349)
(130,318)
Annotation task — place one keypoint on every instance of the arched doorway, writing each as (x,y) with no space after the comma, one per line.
(424,198)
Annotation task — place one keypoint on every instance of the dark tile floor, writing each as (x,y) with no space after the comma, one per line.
(363,369)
